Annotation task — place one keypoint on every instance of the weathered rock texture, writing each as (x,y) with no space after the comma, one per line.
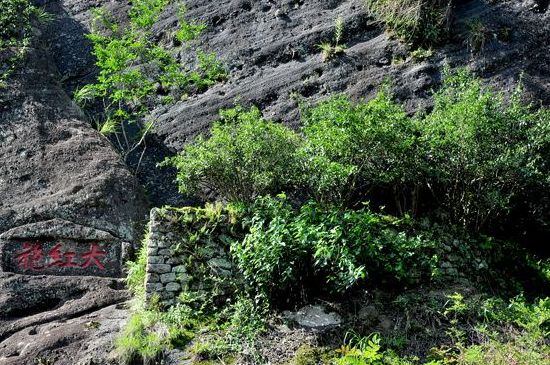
(178,260)
(271,50)
(61,320)
(61,182)
(56,168)
(54,165)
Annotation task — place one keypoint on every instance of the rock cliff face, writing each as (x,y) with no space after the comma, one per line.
(55,166)
(271,49)
(61,185)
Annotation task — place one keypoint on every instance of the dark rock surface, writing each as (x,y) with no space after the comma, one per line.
(65,320)
(54,165)
(271,49)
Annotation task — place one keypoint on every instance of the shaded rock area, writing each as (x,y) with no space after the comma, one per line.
(54,165)
(64,320)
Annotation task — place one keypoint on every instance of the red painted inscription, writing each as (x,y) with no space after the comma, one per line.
(32,257)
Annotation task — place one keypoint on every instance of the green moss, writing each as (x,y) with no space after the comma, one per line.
(310,355)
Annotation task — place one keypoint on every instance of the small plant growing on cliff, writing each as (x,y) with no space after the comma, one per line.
(330,50)
(417,22)
(16,20)
(136,72)
(187,30)
(476,36)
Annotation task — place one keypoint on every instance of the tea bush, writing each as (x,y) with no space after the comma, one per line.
(470,161)
(479,150)
(353,149)
(245,157)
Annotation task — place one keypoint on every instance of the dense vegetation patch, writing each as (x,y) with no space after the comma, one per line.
(288,255)
(136,71)
(470,162)
(434,182)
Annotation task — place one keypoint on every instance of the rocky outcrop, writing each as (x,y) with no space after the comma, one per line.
(61,182)
(54,164)
(63,320)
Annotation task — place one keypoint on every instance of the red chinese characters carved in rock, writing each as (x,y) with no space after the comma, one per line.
(32,257)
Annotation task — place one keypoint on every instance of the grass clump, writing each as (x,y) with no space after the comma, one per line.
(335,48)
(417,22)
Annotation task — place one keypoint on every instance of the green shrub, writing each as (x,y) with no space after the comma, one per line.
(187,30)
(246,156)
(144,13)
(286,249)
(471,161)
(354,149)
(477,150)
(418,22)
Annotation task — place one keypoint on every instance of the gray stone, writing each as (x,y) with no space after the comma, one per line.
(315,317)
(156,259)
(179,269)
(152,278)
(159,268)
(220,263)
(166,278)
(162,243)
(174,261)
(153,287)
(166,252)
(173,287)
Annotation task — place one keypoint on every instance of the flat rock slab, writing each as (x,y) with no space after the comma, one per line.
(57,247)
(315,317)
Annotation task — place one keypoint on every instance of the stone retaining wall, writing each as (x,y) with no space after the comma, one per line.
(179,259)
